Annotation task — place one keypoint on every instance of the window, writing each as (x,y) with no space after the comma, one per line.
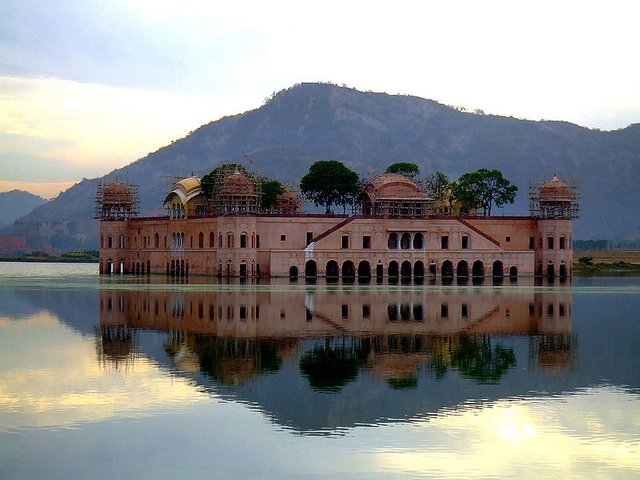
(508,239)
(444,242)
(257,241)
(465,311)
(201,240)
(366,311)
(243,312)
(393,241)
(243,240)
(562,243)
(345,241)
(109,241)
(366,241)
(550,243)
(562,311)
(532,243)
(345,310)
(444,310)
(229,240)
(465,242)
(309,237)
(283,238)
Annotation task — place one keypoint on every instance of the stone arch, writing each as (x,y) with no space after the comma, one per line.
(348,269)
(477,270)
(462,269)
(364,269)
(310,268)
(563,270)
(418,269)
(405,269)
(497,270)
(393,270)
(392,243)
(418,241)
(405,241)
(293,271)
(447,268)
(332,269)
(551,270)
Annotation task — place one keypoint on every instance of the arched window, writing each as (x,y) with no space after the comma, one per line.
(156,240)
(229,240)
(405,241)
(201,240)
(212,240)
(418,241)
(393,241)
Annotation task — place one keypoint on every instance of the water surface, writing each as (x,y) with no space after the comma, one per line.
(138,377)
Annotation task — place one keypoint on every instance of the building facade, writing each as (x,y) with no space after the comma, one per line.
(229,235)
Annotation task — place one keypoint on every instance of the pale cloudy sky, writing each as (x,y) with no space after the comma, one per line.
(88,86)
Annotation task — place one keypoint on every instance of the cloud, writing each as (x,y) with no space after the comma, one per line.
(89,129)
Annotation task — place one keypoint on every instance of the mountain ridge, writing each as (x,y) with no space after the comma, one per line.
(368,131)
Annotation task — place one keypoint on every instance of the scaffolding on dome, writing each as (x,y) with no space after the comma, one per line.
(235,193)
(117,201)
(554,199)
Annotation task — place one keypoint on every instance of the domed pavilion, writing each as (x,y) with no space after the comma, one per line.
(391,195)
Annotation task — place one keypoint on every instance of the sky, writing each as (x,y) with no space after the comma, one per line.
(88,86)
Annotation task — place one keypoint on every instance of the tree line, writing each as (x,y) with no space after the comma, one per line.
(330,183)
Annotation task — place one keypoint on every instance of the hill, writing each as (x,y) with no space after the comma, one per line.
(15,204)
(368,131)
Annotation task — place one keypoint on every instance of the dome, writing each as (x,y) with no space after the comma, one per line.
(237,184)
(185,189)
(288,202)
(555,191)
(393,185)
(117,193)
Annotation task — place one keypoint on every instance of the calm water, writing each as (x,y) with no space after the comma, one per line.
(129,377)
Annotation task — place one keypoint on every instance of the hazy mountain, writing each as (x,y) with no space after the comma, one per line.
(369,131)
(15,204)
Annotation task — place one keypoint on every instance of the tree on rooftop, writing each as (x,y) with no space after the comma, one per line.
(211,181)
(271,190)
(484,188)
(407,169)
(329,183)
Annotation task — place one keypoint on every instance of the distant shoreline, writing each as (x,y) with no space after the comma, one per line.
(65,258)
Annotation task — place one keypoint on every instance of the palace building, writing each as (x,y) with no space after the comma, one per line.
(399,233)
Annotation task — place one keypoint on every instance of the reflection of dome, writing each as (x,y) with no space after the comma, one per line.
(395,366)
(236,184)
(185,189)
(288,202)
(117,193)
(555,191)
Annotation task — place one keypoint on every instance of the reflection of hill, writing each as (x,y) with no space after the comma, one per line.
(410,359)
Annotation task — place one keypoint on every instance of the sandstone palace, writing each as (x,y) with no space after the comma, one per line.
(398,232)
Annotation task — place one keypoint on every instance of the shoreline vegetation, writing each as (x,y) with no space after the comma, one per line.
(606,263)
(585,264)
(88,256)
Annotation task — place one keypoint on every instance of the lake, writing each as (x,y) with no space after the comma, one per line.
(145,377)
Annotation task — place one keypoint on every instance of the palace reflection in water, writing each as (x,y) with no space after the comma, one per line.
(322,338)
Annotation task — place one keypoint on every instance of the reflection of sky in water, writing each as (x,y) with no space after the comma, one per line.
(65,413)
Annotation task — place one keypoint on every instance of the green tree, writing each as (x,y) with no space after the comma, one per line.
(211,181)
(328,183)
(484,188)
(271,190)
(407,169)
